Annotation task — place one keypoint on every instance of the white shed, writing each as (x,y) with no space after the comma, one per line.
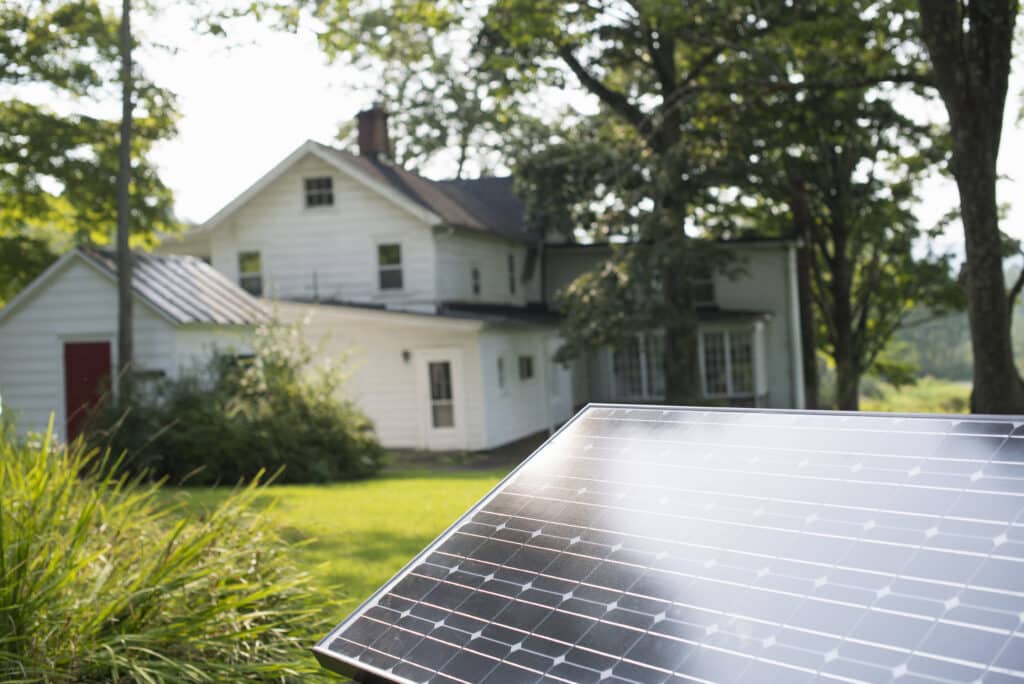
(58,336)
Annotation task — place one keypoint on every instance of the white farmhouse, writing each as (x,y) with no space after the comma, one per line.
(441,299)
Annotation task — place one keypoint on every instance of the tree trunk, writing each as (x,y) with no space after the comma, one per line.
(124,170)
(847,385)
(971,46)
(808,343)
(997,385)
(682,376)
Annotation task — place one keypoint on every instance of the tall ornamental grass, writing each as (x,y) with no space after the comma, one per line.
(104,579)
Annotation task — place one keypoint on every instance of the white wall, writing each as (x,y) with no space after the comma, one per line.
(337,243)
(523,407)
(79,304)
(458,251)
(765,286)
(766,283)
(387,387)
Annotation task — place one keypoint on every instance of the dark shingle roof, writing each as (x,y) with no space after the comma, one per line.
(485,204)
(184,288)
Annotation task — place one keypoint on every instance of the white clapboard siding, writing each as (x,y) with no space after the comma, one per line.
(523,406)
(768,283)
(380,381)
(459,251)
(79,304)
(195,344)
(326,252)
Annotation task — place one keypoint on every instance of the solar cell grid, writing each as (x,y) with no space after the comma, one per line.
(652,545)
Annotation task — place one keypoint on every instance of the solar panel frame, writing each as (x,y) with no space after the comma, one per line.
(365,672)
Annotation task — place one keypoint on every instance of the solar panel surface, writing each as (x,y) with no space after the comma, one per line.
(652,545)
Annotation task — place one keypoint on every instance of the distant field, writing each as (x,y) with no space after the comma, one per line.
(356,535)
(929,395)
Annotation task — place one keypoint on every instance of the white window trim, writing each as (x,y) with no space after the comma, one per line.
(305,195)
(645,380)
(755,361)
(380,242)
(251,274)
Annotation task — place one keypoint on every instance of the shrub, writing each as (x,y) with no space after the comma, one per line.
(227,420)
(103,580)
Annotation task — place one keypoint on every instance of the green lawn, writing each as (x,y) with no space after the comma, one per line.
(356,535)
(928,395)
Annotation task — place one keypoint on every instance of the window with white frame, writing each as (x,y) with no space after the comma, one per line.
(501,372)
(638,367)
(511,273)
(389,265)
(319,192)
(475,278)
(728,362)
(525,367)
(250,273)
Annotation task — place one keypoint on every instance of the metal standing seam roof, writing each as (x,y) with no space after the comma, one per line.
(185,289)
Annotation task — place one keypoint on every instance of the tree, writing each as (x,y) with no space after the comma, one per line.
(124,179)
(970,45)
(58,162)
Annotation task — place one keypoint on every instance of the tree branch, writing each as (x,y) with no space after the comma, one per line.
(614,99)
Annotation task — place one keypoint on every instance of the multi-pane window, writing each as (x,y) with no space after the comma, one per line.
(319,191)
(638,367)
(728,357)
(511,273)
(525,367)
(250,273)
(389,264)
(442,406)
(475,276)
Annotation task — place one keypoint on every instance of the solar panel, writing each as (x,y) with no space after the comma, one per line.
(653,545)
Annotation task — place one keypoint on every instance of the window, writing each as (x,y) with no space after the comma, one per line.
(501,372)
(320,192)
(250,273)
(389,263)
(728,357)
(525,367)
(638,367)
(442,407)
(511,273)
(475,275)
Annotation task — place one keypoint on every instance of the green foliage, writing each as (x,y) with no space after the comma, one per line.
(58,161)
(103,580)
(233,418)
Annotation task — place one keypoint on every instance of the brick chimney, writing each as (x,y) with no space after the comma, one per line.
(373,133)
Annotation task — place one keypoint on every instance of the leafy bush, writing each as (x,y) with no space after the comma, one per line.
(231,418)
(102,580)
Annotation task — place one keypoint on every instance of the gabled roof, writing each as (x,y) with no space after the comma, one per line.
(182,289)
(487,205)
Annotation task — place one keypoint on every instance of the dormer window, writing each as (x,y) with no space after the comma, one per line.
(389,265)
(319,192)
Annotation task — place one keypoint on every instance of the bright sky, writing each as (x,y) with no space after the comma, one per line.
(244,108)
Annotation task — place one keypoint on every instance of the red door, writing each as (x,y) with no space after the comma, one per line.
(86,370)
